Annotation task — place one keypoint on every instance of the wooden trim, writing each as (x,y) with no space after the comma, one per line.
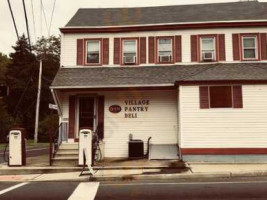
(237,96)
(223,151)
(216,82)
(151,49)
(101,52)
(80,52)
(173,49)
(117,51)
(164,27)
(204,100)
(236,46)
(105,51)
(142,50)
(221,47)
(178,48)
(137,50)
(263,38)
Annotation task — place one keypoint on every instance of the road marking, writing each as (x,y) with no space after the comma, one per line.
(191,183)
(85,191)
(30,150)
(12,188)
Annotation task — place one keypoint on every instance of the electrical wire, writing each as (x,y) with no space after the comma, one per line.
(33,19)
(14,22)
(50,24)
(27,25)
(43,10)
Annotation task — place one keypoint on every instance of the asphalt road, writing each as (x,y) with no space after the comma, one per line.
(155,190)
(30,153)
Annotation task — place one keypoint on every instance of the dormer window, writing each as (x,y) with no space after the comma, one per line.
(93,52)
(165,50)
(129,49)
(249,47)
(208,49)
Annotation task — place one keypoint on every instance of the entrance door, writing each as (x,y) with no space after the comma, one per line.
(86,112)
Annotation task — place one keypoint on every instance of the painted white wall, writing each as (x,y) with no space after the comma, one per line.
(160,121)
(68,51)
(224,127)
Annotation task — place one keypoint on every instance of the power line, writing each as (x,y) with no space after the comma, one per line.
(13,19)
(33,19)
(27,25)
(52,16)
(45,18)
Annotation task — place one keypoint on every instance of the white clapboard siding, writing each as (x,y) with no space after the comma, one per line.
(69,42)
(224,127)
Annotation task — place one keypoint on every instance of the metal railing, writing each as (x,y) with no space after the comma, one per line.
(56,138)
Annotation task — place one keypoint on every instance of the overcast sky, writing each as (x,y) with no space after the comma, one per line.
(64,10)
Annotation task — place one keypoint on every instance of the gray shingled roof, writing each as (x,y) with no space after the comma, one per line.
(156,75)
(169,14)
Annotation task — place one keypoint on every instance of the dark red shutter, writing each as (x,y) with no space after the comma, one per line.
(237,96)
(80,52)
(204,97)
(101,106)
(221,43)
(151,49)
(194,48)
(178,48)
(263,37)
(142,50)
(105,51)
(236,47)
(72,102)
(117,51)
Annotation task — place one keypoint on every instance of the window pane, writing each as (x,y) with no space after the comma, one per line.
(165,45)
(93,46)
(220,96)
(249,42)
(249,53)
(93,58)
(207,44)
(129,46)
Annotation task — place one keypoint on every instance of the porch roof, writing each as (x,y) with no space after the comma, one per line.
(156,76)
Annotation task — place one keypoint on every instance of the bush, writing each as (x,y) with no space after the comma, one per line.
(5,122)
(49,123)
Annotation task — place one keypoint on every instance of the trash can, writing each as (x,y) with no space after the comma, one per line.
(136,149)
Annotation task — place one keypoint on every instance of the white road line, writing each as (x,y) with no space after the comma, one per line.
(12,188)
(181,183)
(85,191)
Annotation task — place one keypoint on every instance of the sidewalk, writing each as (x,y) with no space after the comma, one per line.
(195,171)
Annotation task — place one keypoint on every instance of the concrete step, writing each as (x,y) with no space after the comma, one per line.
(68,151)
(65,163)
(66,158)
(73,146)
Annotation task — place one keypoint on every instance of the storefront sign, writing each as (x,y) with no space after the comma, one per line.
(133,107)
(114,109)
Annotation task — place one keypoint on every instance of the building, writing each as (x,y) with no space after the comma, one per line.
(192,76)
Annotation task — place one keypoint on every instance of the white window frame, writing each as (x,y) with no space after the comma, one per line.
(256,47)
(158,60)
(99,62)
(214,47)
(136,50)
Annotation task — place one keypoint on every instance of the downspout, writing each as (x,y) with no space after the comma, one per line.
(179,120)
(56,102)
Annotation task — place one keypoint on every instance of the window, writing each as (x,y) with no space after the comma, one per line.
(208,52)
(129,51)
(165,50)
(220,96)
(93,52)
(249,47)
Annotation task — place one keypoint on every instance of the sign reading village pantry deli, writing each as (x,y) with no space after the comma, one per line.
(131,108)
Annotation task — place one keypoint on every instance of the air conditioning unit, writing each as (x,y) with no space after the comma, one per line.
(129,59)
(165,58)
(208,56)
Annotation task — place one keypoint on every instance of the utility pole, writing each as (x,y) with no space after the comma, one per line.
(38,102)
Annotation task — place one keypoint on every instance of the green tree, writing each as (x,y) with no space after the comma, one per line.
(4,61)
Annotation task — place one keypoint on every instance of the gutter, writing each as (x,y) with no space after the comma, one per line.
(56,101)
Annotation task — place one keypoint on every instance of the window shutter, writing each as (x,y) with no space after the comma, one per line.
(101,106)
(151,41)
(72,102)
(178,48)
(117,51)
(142,50)
(263,37)
(80,52)
(237,96)
(204,97)
(236,47)
(194,48)
(105,51)
(221,48)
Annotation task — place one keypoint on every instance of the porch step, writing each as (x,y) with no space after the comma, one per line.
(72,146)
(66,158)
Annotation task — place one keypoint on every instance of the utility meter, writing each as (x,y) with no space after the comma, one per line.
(17,148)
(85,147)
